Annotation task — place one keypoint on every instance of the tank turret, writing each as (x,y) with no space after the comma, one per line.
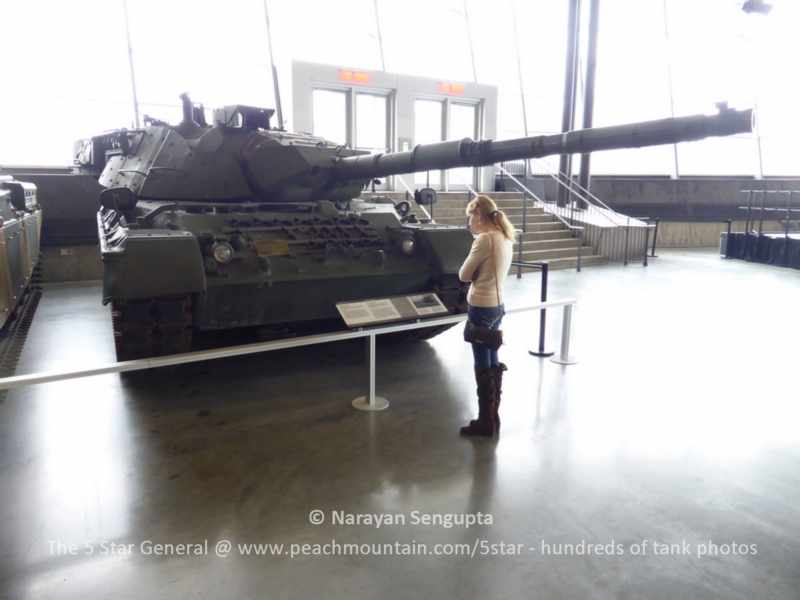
(240,158)
(234,224)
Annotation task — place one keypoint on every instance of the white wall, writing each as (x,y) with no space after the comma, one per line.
(65,71)
(405,89)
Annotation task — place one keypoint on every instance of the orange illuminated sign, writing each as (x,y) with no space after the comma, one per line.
(353,76)
(450,88)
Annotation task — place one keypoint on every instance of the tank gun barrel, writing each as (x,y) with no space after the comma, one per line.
(466,152)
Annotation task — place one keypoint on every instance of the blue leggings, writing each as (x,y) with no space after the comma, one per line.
(485,316)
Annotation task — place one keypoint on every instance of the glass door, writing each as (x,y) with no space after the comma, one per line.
(373,126)
(329,115)
(463,122)
(428,128)
(372,123)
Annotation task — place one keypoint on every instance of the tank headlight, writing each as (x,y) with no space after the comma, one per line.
(222,252)
(408,247)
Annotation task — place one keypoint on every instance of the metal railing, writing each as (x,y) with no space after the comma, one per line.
(788,209)
(593,209)
(755,244)
(575,230)
(367,402)
(652,223)
(593,205)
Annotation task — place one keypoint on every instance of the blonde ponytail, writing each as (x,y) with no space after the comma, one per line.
(487,209)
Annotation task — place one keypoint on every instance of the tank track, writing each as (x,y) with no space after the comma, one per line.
(14,333)
(152,327)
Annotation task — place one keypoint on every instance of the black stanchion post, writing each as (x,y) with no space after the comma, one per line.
(728,238)
(646,244)
(749,211)
(627,232)
(655,237)
(542,314)
(786,241)
(522,235)
(748,225)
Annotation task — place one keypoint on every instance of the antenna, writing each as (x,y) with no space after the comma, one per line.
(275,85)
(130,63)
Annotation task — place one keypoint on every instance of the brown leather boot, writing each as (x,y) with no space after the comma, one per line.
(478,392)
(497,391)
(484,424)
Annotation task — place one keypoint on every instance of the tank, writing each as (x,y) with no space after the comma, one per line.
(20,234)
(235,224)
(68,194)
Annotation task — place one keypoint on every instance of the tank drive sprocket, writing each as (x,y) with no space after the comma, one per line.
(152,327)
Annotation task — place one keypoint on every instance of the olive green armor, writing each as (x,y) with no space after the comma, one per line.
(238,225)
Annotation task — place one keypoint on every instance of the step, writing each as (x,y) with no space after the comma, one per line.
(568,263)
(445,196)
(551,253)
(462,201)
(535,236)
(549,225)
(531,216)
(510,202)
(571,263)
(533,220)
(547,244)
(517,222)
(449,211)
(462,221)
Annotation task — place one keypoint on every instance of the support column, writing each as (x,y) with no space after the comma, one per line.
(570,81)
(588,95)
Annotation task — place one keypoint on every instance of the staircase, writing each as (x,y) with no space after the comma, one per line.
(546,239)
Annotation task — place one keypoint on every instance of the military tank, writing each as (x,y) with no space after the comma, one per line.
(20,234)
(239,225)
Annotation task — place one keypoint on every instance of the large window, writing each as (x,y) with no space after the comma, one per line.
(438,120)
(330,115)
(463,123)
(741,58)
(372,122)
(428,128)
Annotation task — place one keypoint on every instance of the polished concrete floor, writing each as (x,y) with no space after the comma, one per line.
(680,425)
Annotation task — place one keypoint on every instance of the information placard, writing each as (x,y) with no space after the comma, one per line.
(385,310)
(427,304)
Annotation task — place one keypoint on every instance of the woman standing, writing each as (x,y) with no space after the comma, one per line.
(486,267)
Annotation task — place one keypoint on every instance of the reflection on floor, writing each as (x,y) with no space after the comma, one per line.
(679,425)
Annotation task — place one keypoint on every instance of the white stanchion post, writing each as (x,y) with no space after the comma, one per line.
(566,330)
(371,402)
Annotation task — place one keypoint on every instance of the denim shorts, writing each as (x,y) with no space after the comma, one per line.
(485,316)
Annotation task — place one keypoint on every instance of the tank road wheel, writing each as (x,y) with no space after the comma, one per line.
(152,327)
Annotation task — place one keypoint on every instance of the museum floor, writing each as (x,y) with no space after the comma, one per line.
(680,425)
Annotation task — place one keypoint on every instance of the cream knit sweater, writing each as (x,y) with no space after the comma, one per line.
(483,272)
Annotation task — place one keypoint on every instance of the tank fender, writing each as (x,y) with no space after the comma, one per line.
(149,263)
(447,247)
